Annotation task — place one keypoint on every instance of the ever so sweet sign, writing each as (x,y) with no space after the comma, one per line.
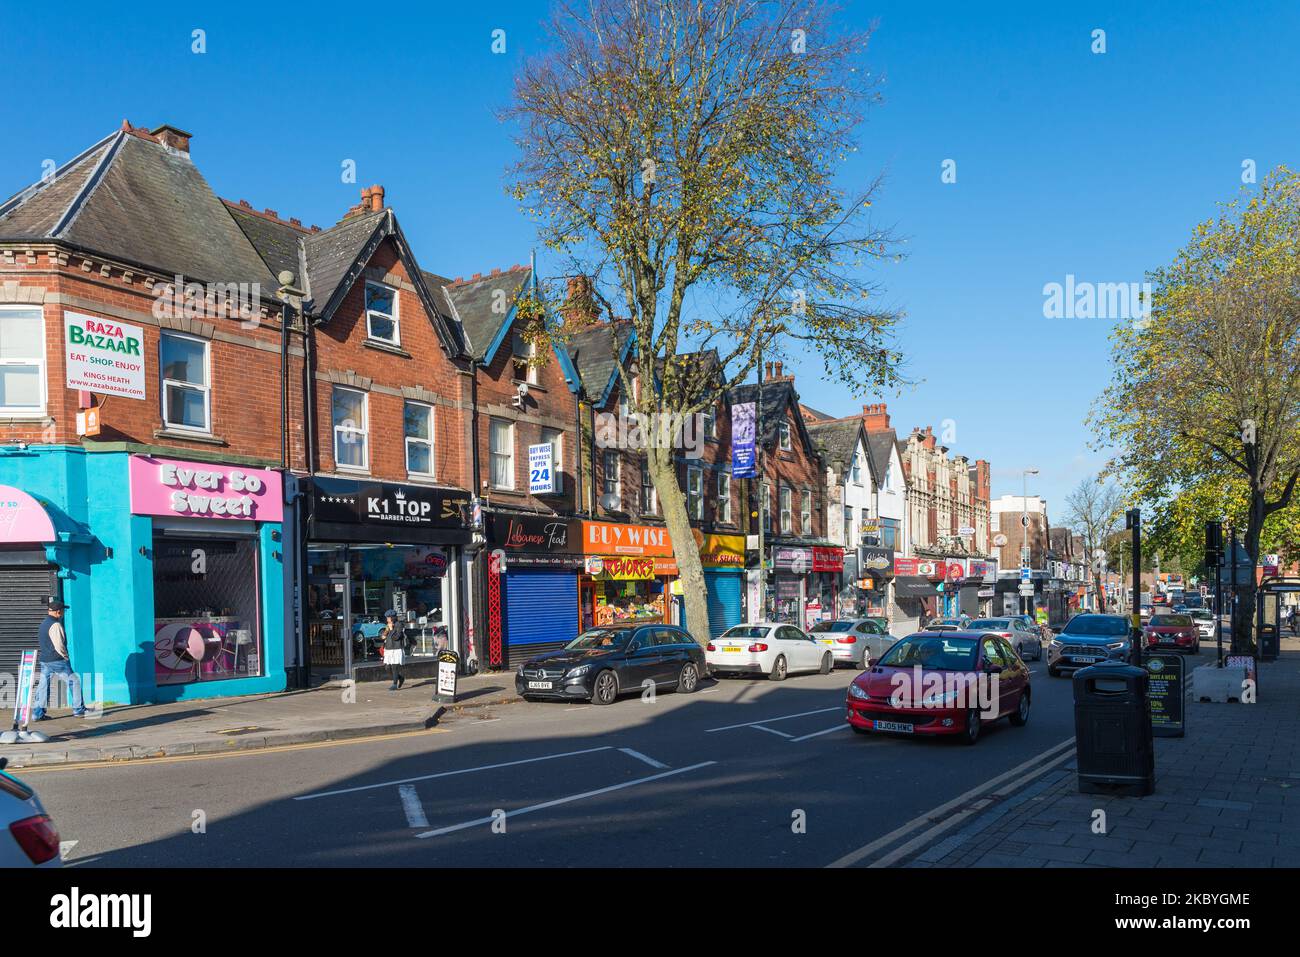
(204,490)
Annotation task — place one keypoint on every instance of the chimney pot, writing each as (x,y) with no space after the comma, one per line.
(778,371)
(272,213)
(376,198)
(245,204)
(295,222)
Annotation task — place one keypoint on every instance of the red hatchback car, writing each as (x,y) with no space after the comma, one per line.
(941,683)
(1173,631)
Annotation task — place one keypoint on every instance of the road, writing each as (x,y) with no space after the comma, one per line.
(716,778)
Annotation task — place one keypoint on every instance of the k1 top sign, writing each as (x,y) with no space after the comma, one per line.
(541,469)
(103,355)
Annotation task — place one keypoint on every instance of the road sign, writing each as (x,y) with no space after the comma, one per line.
(1026,588)
(966,530)
(1026,574)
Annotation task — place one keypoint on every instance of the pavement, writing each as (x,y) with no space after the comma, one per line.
(1227,794)
(327,713)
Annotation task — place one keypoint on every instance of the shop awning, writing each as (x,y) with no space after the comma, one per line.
(23,520)
(912,586)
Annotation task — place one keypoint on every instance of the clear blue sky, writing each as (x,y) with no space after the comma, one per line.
(1068,162)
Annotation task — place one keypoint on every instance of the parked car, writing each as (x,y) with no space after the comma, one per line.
(853,641)
(963,664)
(1087,639)
(1173,631)
(1027,643)
(767,648)
(602,663)
(1203,619)
(28,837)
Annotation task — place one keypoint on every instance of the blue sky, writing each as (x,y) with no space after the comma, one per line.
(1067,161)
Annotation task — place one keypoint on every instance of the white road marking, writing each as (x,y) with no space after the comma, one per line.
(585,707)
(759,727)
(412,806)
(928,818)
(641,757)
(447,774)
(817,734)
(83,860)
(65,847)
(478,822)
(786,717)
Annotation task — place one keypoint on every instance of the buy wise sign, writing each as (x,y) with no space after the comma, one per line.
(103,355)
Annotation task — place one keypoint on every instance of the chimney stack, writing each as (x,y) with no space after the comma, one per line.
(778,371)
(580,307)
(769,371)
(376,198)
(173,138)
(875,417)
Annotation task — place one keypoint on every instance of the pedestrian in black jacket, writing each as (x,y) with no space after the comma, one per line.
(394,648)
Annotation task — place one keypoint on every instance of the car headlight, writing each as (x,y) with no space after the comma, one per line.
(857,692)
(578,671)
(1116,645)
(1056,643)
(939,699)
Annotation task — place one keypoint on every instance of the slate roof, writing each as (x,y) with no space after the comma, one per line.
(779,395)
(474,301)
(837,441)
(880,448)
(595,354)
(135,200)
(279,244)
(332,253)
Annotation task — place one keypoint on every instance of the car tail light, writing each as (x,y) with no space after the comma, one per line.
(758,646)
(847,640)
(37,837)
(709,647)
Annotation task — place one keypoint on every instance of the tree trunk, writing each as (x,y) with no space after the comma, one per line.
(1243,622)
(672,501)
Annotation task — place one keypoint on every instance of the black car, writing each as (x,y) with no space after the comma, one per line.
(601,663)
(1087,639)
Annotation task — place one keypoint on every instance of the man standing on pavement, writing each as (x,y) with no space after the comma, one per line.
(52,643)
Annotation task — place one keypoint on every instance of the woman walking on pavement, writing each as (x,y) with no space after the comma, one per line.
(394,648)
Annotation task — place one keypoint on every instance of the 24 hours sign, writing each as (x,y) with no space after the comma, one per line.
(103,355)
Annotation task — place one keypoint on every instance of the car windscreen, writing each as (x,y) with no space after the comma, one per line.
(833,626)
(1096,625)
(936,652)
(1170,621)
(600,638)
(745,631)
(990,624)
(1201,613)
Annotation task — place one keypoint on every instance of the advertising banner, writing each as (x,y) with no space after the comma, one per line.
(744,463)
(541,469)
(1165,691)
(103,355)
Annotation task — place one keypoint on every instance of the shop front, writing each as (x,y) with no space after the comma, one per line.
(723,558)
(916,592)
(173,571)
(375,547)
(827,570)
(876,585)
(791,568)
(627,576)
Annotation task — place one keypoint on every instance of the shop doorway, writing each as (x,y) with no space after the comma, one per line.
(329,625)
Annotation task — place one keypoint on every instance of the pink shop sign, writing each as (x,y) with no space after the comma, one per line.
(205,490)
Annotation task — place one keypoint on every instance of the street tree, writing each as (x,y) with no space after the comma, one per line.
(688,159)
(1208,385)
(1094,510)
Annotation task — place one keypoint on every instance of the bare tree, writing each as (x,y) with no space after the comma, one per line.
(1094,510)
(684,155)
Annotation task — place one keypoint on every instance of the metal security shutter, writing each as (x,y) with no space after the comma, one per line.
(541,613)
(24,591)
(724,591)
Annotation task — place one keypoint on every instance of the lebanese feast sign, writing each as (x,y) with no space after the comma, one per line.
(167,487)
(744,463)
(103,355)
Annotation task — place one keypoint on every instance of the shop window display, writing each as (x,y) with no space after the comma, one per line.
(206,600)
(408,579)
(620,601)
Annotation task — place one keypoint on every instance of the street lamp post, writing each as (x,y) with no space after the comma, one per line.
(1026,602)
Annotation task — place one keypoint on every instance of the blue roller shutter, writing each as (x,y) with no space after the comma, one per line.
(541,613)
(724,591)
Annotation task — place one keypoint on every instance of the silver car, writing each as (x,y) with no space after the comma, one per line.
(853,641)
(1028,644)
(27,835)
(1203,618)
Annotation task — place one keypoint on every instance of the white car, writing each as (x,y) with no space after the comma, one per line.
(854,641)
(27,835)
(767,648)
(1203,618)
(1028,644)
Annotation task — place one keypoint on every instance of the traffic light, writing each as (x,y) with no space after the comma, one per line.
(1213,545)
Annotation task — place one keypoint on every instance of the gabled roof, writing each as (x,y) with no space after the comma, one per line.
(837,440)
(135,200)
(336,258)
(881,447)
(278,243)
(596,353)
(486,307)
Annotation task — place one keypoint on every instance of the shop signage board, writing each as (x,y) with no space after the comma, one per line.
(720,551)
(528,533)
(610,538)
(541,469)
(826,559)
(744,462)
(789,558)
(622,568)
(170,488)
(905,566)
(877,558)
(22,519)
(447,662)
(103,355)
(1165,692)
(343,501)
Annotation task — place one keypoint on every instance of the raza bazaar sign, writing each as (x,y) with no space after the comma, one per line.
(103,355)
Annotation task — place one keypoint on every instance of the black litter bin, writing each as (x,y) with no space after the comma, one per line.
(1112,730)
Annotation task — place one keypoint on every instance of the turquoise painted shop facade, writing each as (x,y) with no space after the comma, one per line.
(106,564)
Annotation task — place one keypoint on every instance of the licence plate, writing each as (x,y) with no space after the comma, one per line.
(1167,640)
(828,641)
(731,649)
(541,685)
(1087,661)
(893,726)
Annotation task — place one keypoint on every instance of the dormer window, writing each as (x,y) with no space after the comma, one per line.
(525,356)
(381,313)
(784,437)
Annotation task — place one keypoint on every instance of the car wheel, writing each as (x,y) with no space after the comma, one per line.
(1196,648)
(1021,714)
(778,669)
(529,697)
(828,663)
(605,690)
(971,732)
(1053,672)
(689,679)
